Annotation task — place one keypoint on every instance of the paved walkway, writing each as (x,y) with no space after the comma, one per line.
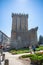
(14,59)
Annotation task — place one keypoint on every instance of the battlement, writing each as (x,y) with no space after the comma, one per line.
(19,22)
(16,14)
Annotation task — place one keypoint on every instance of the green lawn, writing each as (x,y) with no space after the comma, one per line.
(40,48)
(24,50)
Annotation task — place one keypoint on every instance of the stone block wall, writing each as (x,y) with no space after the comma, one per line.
(19,22)
(20,35)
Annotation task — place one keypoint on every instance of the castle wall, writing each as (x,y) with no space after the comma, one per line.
(20,35)
(14,23)
(19,22)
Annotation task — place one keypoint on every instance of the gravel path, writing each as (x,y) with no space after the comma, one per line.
(14,59)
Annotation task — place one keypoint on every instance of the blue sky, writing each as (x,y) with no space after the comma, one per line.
(34,8)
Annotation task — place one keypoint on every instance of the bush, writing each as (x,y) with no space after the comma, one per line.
(37,56)
(36,59)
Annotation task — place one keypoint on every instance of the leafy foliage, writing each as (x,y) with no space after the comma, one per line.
(37,56)
(19,51)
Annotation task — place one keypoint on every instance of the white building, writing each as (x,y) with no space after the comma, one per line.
(4,39)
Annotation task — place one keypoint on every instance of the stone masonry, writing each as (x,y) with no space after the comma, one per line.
(20,35)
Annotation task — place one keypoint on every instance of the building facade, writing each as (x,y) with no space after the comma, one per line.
(20,35)
(4,39)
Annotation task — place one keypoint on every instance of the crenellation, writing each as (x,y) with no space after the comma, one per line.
(16,14)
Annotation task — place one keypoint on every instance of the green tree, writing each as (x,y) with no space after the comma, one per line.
(41,39)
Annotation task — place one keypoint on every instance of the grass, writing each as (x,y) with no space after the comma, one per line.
(40,48)
(23,50)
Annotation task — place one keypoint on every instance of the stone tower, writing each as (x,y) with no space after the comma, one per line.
(19,24)
(20,35)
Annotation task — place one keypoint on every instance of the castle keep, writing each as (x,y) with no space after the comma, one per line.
(20,35)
